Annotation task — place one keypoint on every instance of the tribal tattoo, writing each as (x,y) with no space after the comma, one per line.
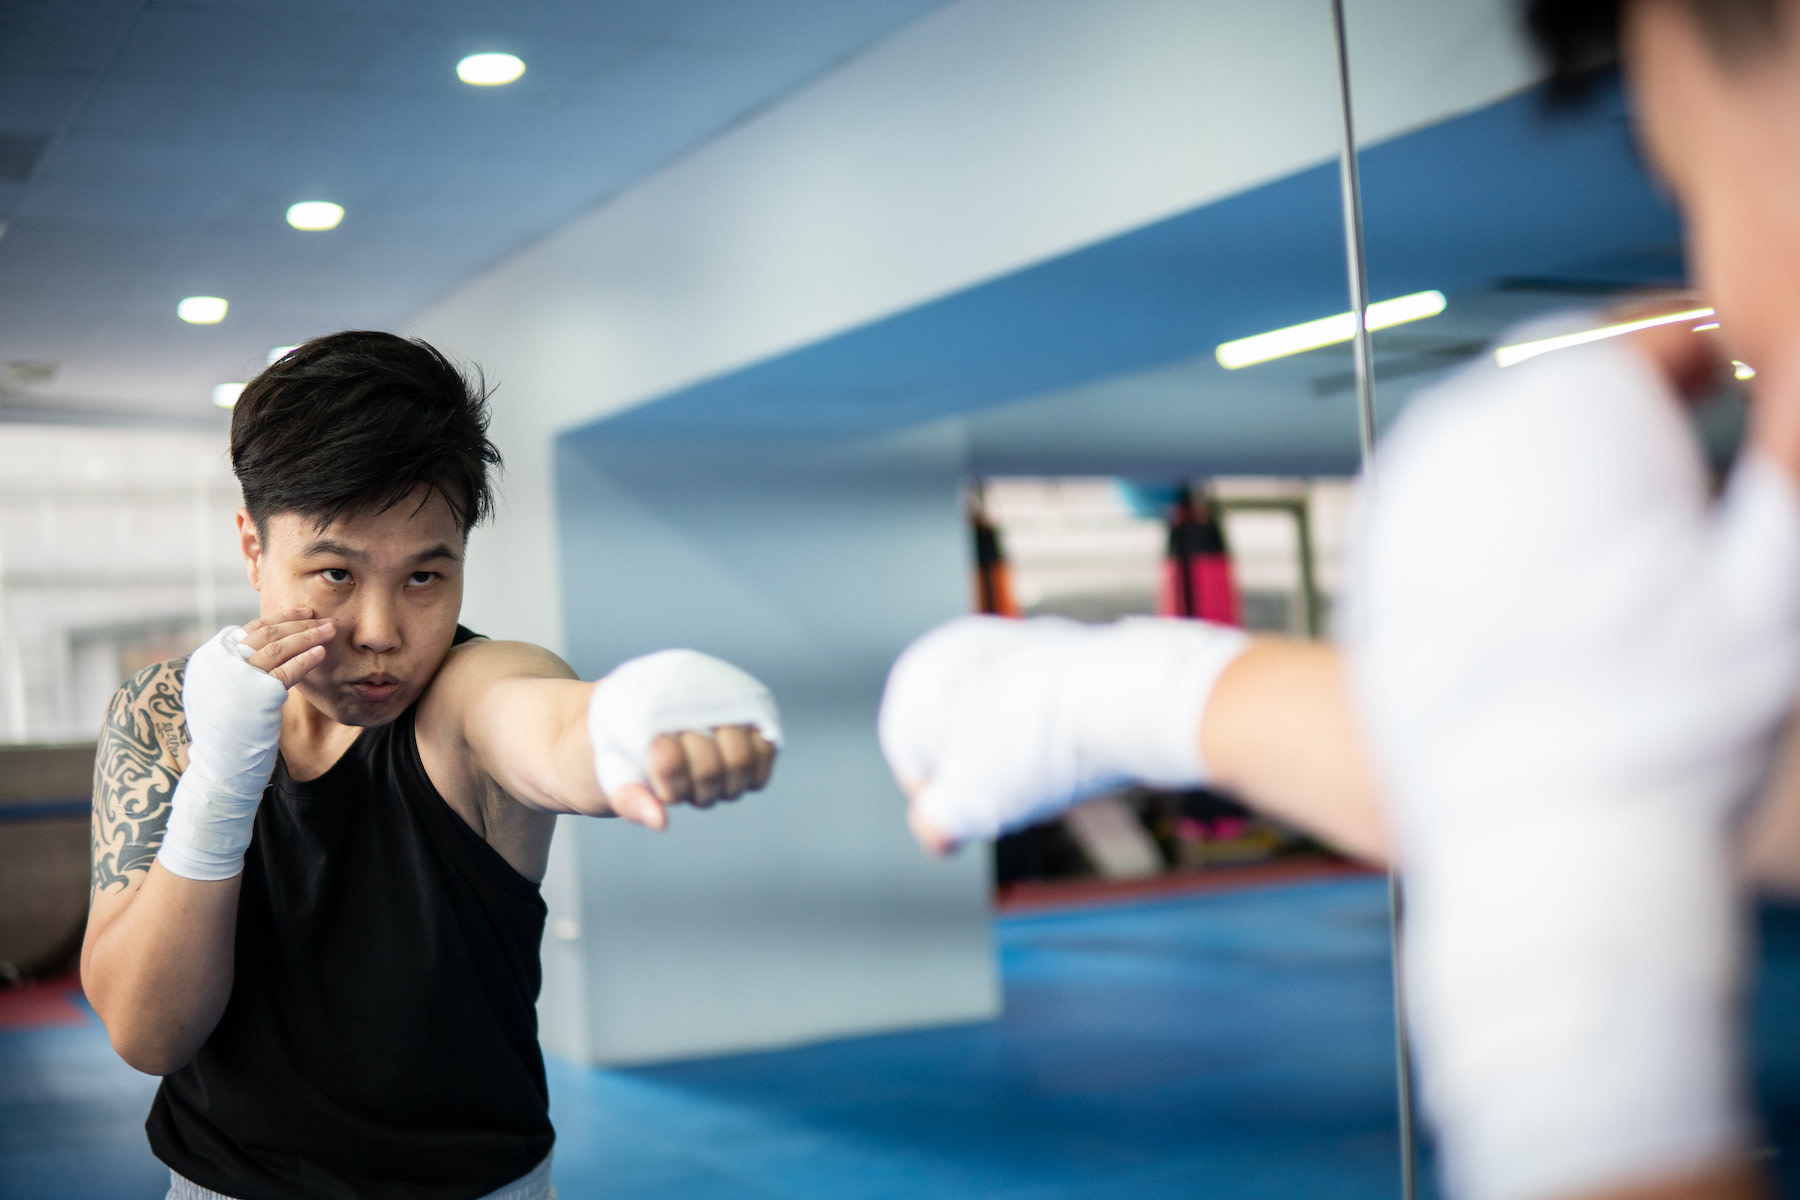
(141,753)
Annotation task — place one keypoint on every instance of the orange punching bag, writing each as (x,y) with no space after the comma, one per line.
(993,578)
(1197,578)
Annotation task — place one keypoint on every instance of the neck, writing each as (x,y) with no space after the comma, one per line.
(311,740)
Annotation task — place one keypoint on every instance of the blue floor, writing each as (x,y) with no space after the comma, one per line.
(1226,1045)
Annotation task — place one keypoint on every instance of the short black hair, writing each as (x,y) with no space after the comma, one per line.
(1579,39)
(357,422)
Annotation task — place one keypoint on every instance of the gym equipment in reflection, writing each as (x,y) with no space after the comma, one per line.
(1237,551)
(1197,580)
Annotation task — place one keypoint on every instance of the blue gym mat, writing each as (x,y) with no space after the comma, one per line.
(1223,1045)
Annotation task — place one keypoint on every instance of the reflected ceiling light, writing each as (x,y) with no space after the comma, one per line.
(279,353)
(202,310)
(1327,331)
(490,70)
(1742,370)
(1508,356)
(1705,327)
(315,214)
(226,394)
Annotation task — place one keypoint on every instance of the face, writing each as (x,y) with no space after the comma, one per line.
(391,582)
(1725,137)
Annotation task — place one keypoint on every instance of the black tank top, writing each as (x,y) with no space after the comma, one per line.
(381,1036)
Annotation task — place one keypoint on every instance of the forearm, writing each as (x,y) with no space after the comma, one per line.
(158,971)
(1278,732)
(673,727)
(1727,1181)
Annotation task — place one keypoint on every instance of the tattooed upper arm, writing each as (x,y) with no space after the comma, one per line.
(142,750)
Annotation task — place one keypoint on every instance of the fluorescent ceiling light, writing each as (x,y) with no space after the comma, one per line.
(489,70)
(1742,370)
(315,214)
(1508,356)
(202,310)
(226,394)
(1327,331)
(279,353)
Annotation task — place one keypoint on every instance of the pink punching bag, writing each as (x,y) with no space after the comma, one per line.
(1197,578)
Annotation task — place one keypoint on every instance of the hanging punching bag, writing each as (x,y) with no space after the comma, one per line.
(1197,579)
(993,578)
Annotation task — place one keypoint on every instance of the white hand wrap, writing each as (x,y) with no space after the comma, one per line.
(1573,666)
(234,725)
(1006,722)
(671,691)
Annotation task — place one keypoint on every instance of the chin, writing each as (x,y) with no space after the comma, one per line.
(365,715)
(341,703)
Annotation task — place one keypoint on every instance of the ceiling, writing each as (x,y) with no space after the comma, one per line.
(149,150)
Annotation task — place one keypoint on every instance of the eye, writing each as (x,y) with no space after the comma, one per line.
(420,578)
(336,575)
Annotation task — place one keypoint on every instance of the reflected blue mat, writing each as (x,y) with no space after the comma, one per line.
(1223,1045)
(1226,1045)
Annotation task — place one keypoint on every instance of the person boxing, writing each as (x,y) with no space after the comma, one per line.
(1560,767)
(318,839)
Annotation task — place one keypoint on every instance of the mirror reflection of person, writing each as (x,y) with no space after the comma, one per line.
(1563,670)
(317,840)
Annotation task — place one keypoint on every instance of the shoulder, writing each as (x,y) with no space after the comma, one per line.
(481,661)
(141,753)
(158,682)
(1541,460)
(1595,413)
(473,667)
(469,676)
(147,710)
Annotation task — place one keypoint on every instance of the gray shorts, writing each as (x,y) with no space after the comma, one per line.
(533,1186)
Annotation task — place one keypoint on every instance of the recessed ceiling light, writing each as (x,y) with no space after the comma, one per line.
(315,214)
(490,70)
(226,394)
(1507,356)
(1326,331)
(202,310)
(279,353)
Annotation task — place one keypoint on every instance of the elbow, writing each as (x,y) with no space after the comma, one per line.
(146,1044)
(149,1052)
(149,1032)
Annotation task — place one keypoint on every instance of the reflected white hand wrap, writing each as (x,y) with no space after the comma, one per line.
(1573,666)
(1006,722)
(670,691)
(233,715)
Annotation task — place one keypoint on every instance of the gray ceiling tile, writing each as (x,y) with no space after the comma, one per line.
(184,129)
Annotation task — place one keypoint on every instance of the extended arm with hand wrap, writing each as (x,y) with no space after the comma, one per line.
(233,713)
(1002,722)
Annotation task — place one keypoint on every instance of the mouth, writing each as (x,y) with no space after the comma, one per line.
(375,688)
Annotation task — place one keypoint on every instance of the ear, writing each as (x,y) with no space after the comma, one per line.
(250,542)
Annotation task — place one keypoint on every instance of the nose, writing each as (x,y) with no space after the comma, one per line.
(376,628)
